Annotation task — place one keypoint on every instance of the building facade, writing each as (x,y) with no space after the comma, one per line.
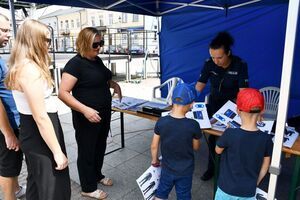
(122,32)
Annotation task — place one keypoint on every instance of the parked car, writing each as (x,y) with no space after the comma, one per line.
(136,49)
(110,49)
(120,49)
(70,49)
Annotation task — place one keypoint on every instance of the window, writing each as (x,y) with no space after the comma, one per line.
(72,23)
(61,24)
(110,19)
(124,17)
(93,20)
(135,18)
(101,20)
(77,23)
(67,24)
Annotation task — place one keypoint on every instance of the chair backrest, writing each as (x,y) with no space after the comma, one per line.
(271,96)
(170,84)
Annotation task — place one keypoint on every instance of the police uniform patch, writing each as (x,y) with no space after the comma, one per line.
(232,73)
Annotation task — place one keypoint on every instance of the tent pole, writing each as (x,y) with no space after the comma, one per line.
(288,57)
(13,18)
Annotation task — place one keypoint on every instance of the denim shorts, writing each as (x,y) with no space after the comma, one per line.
(220,195)
(183,186)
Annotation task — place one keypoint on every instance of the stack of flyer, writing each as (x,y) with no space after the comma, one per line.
(199,113)
(228,115)
(127,103)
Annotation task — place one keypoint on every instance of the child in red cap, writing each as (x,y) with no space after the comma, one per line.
(245,151)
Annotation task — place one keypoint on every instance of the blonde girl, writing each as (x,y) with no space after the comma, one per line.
(41,136)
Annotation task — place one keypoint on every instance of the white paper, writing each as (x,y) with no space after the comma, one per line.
(155,105)
(127,103)
(163,114)
(148,182)
(261,195)
(290,136)
(218,126)
(199,113)
(227,114)
(265,126)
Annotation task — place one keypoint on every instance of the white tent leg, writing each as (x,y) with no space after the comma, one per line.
(290,38)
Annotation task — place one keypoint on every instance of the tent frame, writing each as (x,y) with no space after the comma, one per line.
(287,66)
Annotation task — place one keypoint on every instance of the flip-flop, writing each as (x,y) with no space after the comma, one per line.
(97,194)
(106,181)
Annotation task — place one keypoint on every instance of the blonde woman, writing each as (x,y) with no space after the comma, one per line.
(41,136)
(89,80)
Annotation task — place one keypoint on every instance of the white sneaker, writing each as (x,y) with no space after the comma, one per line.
(21,192)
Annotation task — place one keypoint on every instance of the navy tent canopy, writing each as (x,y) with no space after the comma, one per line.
(259,34)
(159,7)
(258,27)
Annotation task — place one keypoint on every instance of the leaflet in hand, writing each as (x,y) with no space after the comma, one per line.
(260,194)
(228,115)
(199,113)
(148,182)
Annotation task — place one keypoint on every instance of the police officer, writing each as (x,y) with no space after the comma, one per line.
(227,74)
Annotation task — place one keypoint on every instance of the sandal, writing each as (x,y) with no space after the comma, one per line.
(106,181)
(97,194)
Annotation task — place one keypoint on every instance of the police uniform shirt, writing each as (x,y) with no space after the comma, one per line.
(225,83)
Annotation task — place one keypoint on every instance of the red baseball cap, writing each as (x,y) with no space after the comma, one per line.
(250,100)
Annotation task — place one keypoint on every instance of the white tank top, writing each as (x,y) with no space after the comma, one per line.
(23,106)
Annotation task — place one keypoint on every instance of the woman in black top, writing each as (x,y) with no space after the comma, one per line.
(227,74)
(89,80)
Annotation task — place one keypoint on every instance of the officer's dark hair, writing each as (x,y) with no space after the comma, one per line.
(223,39)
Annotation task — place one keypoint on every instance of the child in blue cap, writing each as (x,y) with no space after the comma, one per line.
(178,137)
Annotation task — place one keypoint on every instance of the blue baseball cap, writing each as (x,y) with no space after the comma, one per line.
(184,94)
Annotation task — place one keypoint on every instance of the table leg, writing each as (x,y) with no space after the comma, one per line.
(217,167)
(216,158)
(295,180)
(122,130)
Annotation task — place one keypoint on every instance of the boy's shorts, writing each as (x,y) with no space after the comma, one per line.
(183,186)
(220,195)
(10,160)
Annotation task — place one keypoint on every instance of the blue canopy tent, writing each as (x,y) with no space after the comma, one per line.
(265,35)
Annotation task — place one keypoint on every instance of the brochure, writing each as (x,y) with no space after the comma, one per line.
(148,182)
(127,103)
(199,113)
(289,137)
(218,126)
(261,195)
(228,115)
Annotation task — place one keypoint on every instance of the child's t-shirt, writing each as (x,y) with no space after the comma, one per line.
(176,136)
(242,159)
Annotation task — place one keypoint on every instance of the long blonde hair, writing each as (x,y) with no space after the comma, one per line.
(85,40)
(30,44)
